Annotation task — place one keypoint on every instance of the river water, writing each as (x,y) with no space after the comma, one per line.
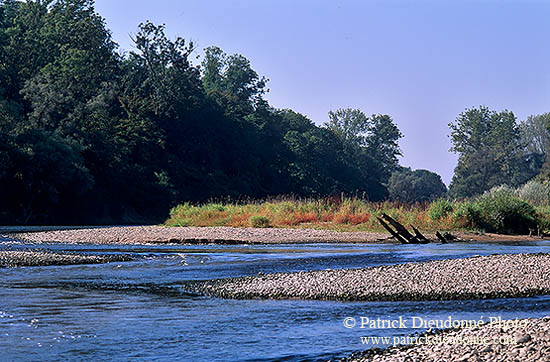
(139,309)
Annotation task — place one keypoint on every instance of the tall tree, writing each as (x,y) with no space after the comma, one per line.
(535,135)
(88,133)
(350,125)
(231,81)
(489,147)
(411,186)
(371,143)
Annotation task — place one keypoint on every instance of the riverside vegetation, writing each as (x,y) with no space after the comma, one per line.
(132,134)
(501,210)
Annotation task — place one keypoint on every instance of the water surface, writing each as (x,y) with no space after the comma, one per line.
(139,310)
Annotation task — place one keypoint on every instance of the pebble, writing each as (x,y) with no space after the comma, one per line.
(179,235)
(41,258)
(486,277)
(534,349)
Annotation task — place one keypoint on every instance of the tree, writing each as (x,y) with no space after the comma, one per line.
(415,186)
(318,163)
(47,177)
(90,135)
(231,81)
(352,126)
(535,137)
(371,143)
(489,147)
(382,144)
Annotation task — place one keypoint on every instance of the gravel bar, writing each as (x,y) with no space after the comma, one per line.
(481,277)
(194,235)
(526,340)
(40,258)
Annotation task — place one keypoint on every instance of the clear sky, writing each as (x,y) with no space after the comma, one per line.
(422,62)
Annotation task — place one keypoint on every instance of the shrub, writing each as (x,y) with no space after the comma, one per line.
(503,212)
(543,214)
(213,207)
(259,221)
(468,214)
(536,193)
(440,209)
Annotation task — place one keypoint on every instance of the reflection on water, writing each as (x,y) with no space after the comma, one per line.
(139,310)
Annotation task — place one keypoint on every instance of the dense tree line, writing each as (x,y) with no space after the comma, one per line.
(90,135)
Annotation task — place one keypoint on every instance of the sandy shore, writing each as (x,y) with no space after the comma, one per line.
(495,276)
(39,258)
(527,340)
(219,235)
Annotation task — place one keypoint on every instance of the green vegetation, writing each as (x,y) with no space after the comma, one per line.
(439,209)
(258,221)
(494,149)
(90,135)
(331,213)
(500,210)
(411,186)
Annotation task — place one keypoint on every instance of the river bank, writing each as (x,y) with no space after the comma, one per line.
(523,340)
(215,235)
(96,301)
(483,277)
(12,258)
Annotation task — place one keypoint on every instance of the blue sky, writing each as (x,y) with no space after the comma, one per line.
(422,62)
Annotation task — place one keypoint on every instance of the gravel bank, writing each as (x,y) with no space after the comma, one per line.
(529,340)
(221,235)
(494,276)
(39,258)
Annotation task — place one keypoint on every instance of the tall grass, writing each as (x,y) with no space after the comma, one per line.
(327,213)
(501,210)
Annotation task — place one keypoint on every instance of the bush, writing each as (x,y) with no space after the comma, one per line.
(468,214)
(440,209)
(543,214)
(536,193)
(503,212)
(259,221)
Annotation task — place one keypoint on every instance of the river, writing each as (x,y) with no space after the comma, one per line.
(140,309)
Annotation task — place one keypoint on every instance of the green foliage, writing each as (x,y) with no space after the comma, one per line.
(535,138)
(490,152)
(502,211)
(468,215)
(536,193)
(231,81)
(259,221)
(440,209)
(371,141)
(89,135)
(350,125)
(47,174)
(415,186)
(543,214)
(499,210)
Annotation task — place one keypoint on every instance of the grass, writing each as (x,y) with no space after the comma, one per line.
(500,210)
(349,214)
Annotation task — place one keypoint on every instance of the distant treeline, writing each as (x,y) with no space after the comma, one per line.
(90,135)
